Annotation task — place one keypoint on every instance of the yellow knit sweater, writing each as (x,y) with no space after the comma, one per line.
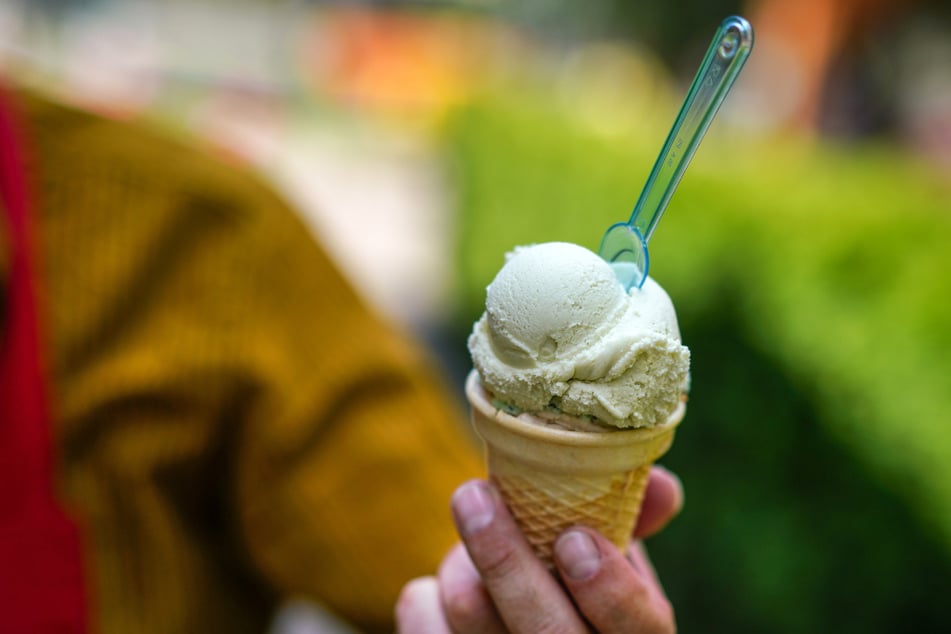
(233,426)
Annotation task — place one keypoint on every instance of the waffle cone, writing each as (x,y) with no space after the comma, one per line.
(552,478)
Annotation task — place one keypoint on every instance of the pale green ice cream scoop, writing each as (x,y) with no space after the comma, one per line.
(559,334)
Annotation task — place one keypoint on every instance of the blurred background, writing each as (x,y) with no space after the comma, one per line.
(807,249)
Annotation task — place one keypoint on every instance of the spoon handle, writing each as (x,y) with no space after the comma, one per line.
(723,61)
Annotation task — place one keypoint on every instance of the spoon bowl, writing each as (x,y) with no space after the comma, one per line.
(625,249)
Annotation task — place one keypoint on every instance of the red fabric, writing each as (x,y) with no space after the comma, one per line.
(41,575)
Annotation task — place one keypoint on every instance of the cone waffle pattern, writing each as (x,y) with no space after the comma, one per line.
(546,504)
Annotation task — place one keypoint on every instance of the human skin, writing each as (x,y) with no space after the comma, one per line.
(492,582)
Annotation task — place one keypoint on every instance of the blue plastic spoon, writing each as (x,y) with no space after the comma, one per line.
(624,244)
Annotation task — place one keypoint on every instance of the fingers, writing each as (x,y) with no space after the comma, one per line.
(610,592)
(466,603)
(526,595)
(454,603)
(498,585)
(663,500)
(419,609)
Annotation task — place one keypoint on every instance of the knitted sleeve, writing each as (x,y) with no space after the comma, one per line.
(348,460)
(235,426)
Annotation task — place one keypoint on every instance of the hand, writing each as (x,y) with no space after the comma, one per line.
(494,583)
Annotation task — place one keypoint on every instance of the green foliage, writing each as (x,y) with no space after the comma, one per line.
(813,288)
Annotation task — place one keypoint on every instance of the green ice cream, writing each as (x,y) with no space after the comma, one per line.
(560,335)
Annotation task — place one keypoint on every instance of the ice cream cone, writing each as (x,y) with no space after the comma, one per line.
(553,478)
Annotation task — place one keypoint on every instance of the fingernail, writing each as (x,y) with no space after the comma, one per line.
(473,507)
(578,555)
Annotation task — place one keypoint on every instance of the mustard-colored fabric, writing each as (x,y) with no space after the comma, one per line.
(233,425)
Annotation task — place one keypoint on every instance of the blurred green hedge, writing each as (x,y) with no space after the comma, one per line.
(813,285)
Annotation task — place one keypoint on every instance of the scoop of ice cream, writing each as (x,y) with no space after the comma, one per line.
(560,334)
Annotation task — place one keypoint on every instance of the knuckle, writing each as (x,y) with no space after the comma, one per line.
(503,579)
(465,605)
(659,617)
(542,621)
(499,563)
